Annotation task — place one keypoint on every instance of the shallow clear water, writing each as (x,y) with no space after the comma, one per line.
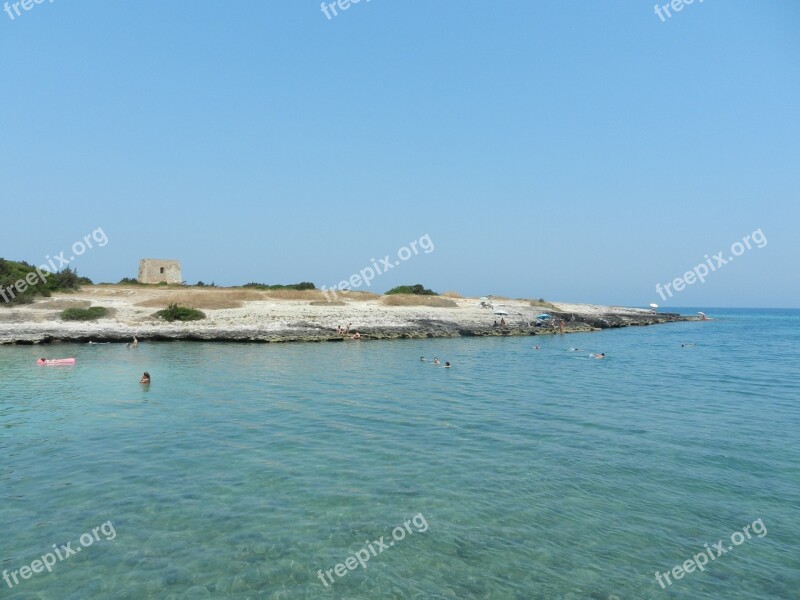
(245,469)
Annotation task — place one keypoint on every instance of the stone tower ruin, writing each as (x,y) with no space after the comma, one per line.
(153,270)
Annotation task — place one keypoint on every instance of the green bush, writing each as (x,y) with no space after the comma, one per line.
(12,272)
(303,285)
(67,280)
(84,314)
(180,313)
(416,290)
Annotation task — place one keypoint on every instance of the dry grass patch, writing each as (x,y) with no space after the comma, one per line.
(414,300)
(61,304)
(326,303)
(334,296)
(208,299)
(452,295)
(312,295)
(361,296)
(542,303)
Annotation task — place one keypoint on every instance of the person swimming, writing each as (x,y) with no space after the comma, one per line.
(447,365)
(537,347)
(422,359)
(574,350)
(145,378)
(436,360)
(595,355)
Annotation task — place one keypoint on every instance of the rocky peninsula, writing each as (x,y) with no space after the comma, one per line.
(245,315)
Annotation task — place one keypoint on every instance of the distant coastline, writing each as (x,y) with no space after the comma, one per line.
(238,315)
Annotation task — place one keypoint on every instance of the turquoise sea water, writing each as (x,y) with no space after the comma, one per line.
(539,474)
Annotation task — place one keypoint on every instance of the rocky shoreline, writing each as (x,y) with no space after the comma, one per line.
(305,331)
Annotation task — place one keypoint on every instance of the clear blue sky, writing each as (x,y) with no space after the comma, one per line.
(577,151)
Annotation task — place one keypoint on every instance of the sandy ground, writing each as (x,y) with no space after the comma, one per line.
(260,315)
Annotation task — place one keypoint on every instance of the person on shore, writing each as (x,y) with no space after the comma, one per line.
(447,365)
(338,330)
(347,329)
(145,378)
(356,336)
(502,322)
(436,360)
(495,323)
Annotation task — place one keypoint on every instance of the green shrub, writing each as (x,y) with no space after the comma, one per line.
(67,280)
(84,314)
(416,290)
(180,313)
(12,272)
(542,303)
(303,285)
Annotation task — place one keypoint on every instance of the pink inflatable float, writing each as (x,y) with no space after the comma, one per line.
(55,361)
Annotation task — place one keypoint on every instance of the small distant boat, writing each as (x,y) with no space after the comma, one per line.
(55,362)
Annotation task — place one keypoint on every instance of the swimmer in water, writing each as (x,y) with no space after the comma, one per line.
(447,365)
(436,360)
(537,347)
(601,355)
(145,378)
(422,359)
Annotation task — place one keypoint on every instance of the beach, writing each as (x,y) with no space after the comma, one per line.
(239,314)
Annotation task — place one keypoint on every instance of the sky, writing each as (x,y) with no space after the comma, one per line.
(576,151)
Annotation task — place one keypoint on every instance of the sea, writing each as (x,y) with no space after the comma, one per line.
(669,469)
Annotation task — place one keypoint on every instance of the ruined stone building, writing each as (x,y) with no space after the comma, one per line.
(153,270)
